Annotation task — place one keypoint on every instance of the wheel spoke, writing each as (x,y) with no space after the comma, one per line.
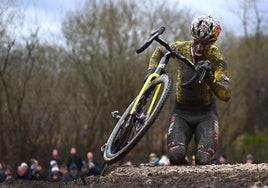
(123,135)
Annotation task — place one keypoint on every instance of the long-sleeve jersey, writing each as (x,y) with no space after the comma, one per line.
(197,95)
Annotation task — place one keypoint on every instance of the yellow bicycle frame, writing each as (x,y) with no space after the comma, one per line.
(145,86)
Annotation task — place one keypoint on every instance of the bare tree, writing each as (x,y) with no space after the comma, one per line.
(246,58)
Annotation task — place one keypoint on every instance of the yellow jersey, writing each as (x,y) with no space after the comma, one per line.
(203,94)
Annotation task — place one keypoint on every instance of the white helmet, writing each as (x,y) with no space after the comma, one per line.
(205,28)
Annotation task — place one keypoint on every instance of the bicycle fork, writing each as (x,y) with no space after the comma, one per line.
(145,86)
(142,117)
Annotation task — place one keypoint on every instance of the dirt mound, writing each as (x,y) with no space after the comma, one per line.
(238,175)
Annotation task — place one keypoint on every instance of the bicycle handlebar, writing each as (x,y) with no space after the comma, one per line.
(155,36)
(152,37)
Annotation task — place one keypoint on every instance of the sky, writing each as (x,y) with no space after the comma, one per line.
(45,14)
(48,14)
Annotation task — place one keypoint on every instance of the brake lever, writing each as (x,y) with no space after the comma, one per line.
(204,71)
(202,76)
(159,31)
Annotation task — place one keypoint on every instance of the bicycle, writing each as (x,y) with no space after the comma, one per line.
(144,109)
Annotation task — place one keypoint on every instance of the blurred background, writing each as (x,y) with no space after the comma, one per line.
(65,65)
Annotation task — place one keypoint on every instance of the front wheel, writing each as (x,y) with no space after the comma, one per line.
(131,127)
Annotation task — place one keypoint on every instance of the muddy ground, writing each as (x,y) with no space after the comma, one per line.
(237,175)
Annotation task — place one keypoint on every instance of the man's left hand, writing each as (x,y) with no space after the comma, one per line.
(205,65)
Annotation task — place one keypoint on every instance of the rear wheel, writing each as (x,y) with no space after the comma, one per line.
(131,127)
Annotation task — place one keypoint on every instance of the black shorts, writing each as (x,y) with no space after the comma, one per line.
(202,122)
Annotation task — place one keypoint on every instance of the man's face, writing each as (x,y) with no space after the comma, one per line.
(200,48)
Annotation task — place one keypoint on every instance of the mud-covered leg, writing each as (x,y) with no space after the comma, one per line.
(207,139)
(179,135)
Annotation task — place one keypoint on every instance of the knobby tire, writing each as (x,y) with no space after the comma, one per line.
(128,131)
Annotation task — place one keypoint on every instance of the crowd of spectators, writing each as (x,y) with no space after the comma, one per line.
(223,159)
(75,167)
(154,160)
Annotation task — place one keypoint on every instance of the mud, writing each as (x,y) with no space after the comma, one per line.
(237,175)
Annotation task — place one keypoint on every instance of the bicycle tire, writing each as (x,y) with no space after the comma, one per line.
(120,141)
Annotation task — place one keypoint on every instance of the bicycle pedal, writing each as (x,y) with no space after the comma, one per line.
(115,114)
(103,147)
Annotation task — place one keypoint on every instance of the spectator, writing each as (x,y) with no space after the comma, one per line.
(55,157)
(249,159)
(153,159)
(214,161)
(1,168)
(73,173)
(164,160)
(2,171)
(91,167)
(74,158)
(54,174)
(53,164)
(63,170)
(223,159)
(5,174)
(23,172)
(36,170)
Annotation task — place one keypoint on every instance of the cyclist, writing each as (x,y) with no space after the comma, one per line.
(195,111)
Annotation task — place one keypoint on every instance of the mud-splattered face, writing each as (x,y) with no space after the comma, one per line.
(200,48)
